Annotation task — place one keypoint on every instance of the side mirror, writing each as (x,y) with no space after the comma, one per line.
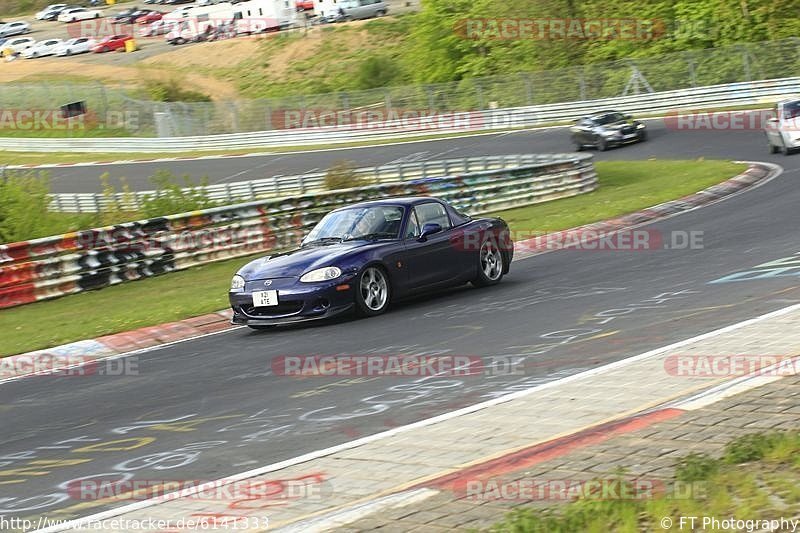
(429,229)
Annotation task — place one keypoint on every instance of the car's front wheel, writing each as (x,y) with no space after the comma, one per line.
(373,291)
(602,144)
(490,264)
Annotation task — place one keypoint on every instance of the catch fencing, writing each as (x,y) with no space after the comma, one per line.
(714,75)
(92,259)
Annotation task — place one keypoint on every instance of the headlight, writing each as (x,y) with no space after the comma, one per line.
(237,283)
(321,274)
(640,126)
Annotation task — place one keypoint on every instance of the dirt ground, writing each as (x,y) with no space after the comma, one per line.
(21,70)
(155,64)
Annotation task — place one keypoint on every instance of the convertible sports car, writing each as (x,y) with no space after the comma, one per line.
(366,255)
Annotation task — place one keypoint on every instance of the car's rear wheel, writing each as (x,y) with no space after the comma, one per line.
(373,291)
(490,264)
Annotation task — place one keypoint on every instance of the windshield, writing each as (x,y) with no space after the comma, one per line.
(374,222)
(791,110)
(610,118)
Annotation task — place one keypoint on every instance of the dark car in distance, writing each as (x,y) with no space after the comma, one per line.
(364,256)
(607,129)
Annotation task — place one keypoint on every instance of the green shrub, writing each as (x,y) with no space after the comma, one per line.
(24,214)
(696,467)
(342,175)
(376,71)
(756,446)
(172,90)
(173,196)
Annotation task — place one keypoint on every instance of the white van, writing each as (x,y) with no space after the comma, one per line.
(257,16)
(191,25)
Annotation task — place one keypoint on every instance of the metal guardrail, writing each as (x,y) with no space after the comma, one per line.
(285,186)
(451,122)
(64,264)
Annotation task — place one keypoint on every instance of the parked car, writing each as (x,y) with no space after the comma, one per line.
(607,129)
(128,16)
(358,9)
(54,13)
(14,28)
(159,27)
(304,5)
(112,42)
(364,256)
(51,10)
(42,48)
(783,128)
(77,45)
(176,2)
(148,17)
(17,45)
(78,13)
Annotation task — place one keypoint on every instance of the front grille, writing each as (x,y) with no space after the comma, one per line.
(627,130)
(288,307)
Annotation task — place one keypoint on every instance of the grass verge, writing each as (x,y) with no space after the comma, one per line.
(756,478)
(625,186)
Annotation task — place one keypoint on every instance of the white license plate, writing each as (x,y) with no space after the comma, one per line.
(265,298)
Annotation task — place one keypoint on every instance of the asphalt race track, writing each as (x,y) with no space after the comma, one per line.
(203,409)
(666,143)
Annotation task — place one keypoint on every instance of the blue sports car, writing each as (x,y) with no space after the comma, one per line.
(366,255)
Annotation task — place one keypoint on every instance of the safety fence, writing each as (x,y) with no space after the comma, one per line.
(284,186)
(670,102)
(64,264)
(124,108)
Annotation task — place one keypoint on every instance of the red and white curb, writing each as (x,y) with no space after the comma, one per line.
(324,521)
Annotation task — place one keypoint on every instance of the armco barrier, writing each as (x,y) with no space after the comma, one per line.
(283,186)
(55,266)
(742,93)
